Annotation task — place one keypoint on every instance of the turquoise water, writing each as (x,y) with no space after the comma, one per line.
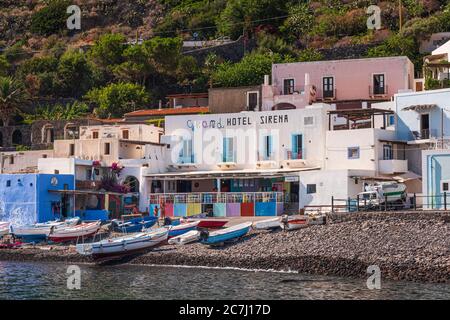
(20,280)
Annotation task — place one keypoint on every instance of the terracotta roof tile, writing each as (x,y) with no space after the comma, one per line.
(167,111)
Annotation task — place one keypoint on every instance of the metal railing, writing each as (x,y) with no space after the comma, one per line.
(216,197)
(373,92)
(412,202)
(424,134)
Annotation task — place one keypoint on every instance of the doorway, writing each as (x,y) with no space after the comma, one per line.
(425,126)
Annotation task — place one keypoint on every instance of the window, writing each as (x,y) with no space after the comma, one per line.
(125,134)
(328,87)
(95,135)
(11,159)
(288,86)
(253,100)
(390,120)
(387,152)
(445,186)
(311,188)
(378,84)
(297,146)
(71,149)
(353,153)
(107,150)
(308,121)
(267,147)
(186,154)
(8,183)
(228,150)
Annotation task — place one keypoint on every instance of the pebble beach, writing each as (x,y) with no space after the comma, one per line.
(405,246)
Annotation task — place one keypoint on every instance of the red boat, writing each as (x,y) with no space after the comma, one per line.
(209,223)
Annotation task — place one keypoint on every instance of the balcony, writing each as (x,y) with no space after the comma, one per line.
(228,162)
(424,134)
(326,95)
(392,166)
(184,162)
(378,93)
(294,159)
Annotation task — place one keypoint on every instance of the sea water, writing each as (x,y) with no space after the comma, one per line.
(23,280)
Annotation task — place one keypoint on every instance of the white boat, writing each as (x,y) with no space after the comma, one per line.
(272,223)
(116,248)
(69,233)
(188,237)
(4,228)
(40,231)
(289,223)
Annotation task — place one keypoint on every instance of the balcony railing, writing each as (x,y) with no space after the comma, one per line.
(424,134)
(186,159)
(291,90)
(440,144)
(294,155)
(391,166)
(326,95)
(378,91)
(216,197)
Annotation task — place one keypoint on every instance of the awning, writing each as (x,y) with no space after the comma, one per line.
(86,192)
(420,107)
(407,176)
(228,174)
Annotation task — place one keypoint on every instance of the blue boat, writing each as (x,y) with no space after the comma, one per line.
(182,228)
(227,234)
(134,225)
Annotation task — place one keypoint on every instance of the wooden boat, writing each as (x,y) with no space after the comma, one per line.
(273,223)
(289,223)
(118,248)
(182,228)
(227,234)
(4,228)
(40,231)
(69,233)
(134,225)
(209,223)
(188,237)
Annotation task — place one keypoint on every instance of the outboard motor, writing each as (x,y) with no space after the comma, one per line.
(167,221)
(204,234)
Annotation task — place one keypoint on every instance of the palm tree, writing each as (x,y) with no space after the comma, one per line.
(12,98)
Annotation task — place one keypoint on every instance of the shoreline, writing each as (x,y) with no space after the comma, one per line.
(406,247)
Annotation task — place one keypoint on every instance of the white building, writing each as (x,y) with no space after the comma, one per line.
(266,163)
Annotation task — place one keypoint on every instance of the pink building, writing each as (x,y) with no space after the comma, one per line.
(352,83)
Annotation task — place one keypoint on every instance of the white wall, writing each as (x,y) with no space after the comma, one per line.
(257,124)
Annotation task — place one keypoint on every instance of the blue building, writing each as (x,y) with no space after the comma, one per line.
(436,179)
(31,198)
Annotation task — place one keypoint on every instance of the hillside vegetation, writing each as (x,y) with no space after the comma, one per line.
(99,68)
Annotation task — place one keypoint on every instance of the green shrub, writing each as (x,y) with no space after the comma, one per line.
(50,19)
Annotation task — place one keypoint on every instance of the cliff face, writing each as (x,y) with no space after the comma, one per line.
(98,16)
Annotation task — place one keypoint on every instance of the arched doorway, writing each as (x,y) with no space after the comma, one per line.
(71,131)
(17,137)
(132,183)
(48,134)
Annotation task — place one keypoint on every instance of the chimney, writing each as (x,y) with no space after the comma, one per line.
(266,80)
(307,79)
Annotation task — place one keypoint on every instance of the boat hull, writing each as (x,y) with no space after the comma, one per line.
(116,250)
(136,226)
(186,238)
(234,233)
(211,224)
(267,224)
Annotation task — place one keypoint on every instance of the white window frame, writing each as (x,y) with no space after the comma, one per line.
(257,98)
(372,82)
(288,78)
(334,85)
